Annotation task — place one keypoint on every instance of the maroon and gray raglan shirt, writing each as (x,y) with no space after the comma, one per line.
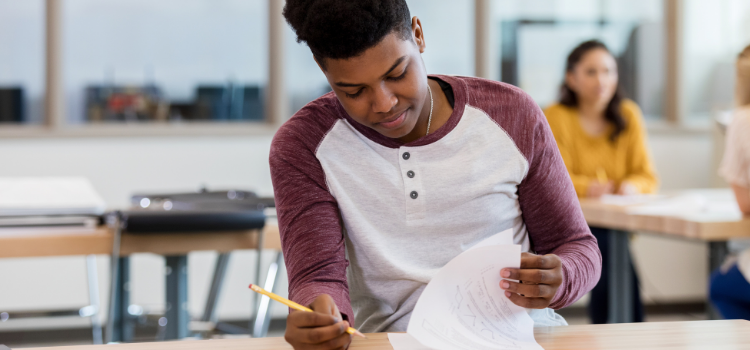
(369,220)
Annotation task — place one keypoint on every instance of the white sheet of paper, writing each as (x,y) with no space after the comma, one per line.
(463,306)
(628,200)
(36,196)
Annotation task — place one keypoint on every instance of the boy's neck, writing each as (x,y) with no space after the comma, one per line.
(441,112)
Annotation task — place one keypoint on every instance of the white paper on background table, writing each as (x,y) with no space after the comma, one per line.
(628,200)
(464,308)
(38,196)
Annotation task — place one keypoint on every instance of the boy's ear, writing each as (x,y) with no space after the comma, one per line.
(418,34)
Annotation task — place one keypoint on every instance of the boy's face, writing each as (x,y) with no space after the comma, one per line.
(384,88)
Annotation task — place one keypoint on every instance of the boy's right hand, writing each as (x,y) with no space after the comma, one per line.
(322,329)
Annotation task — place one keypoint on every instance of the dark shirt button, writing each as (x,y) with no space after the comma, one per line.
(406,155)
(410,174)
(414,194)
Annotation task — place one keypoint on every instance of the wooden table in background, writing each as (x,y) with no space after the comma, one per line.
(173,246)
(693,335)
(707,215)
(719,221)
(99,242)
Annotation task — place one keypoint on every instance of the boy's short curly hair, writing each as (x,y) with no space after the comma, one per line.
(341,29)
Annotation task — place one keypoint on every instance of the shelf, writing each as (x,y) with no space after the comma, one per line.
(144,129)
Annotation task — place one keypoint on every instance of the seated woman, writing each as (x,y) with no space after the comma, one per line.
(603,144)
(730,289)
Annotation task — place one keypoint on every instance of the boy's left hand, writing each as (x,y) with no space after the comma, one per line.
(539,278)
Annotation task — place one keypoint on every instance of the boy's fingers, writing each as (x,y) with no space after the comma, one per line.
(324,304)
(546,262)
(339,343)
(528,290)
(303,319)
(319,335)
(529,303)
(531,276)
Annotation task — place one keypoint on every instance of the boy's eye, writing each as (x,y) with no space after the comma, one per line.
(354,95)
(398,77)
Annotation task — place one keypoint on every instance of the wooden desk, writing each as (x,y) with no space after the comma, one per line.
(715,216)
(709,215)
(174,246)
(99,242)
(642,336)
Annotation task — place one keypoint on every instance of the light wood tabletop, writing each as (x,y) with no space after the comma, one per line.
(708,215)
(694,335)
(99,241)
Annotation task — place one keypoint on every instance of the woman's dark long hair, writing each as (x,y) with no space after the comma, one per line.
(568,97)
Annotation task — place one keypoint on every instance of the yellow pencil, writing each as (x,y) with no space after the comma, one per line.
(296,306)
(601,175)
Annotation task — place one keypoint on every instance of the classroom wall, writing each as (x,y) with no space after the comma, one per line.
(671,270)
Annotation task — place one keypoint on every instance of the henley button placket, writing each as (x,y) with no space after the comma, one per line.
(410,174)
(414,192)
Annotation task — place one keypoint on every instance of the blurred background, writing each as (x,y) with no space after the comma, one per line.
(176,95)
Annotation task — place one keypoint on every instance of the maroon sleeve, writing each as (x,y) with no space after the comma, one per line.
(311,232)
(549,205)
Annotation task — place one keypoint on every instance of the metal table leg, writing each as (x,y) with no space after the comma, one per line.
(127,323)
(178,315)
(263,316)
(212,302)
(93,282)
(258,269)
(118,329)
(717,253)
(621,281)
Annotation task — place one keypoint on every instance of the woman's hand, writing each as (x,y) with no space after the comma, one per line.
(322,329)
(627,188)
(598,189)
(539,278)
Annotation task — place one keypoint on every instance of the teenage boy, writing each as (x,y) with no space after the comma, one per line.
(381,182)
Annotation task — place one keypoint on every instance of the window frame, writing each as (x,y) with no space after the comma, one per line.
(277,109)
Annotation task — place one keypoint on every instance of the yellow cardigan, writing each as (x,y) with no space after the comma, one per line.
(626,159)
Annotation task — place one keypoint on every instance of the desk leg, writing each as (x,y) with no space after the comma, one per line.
(122,329)
(717,253)
(263,316)
(92,276)
(220,270)
(258,270)
(620,279)
(178,316)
